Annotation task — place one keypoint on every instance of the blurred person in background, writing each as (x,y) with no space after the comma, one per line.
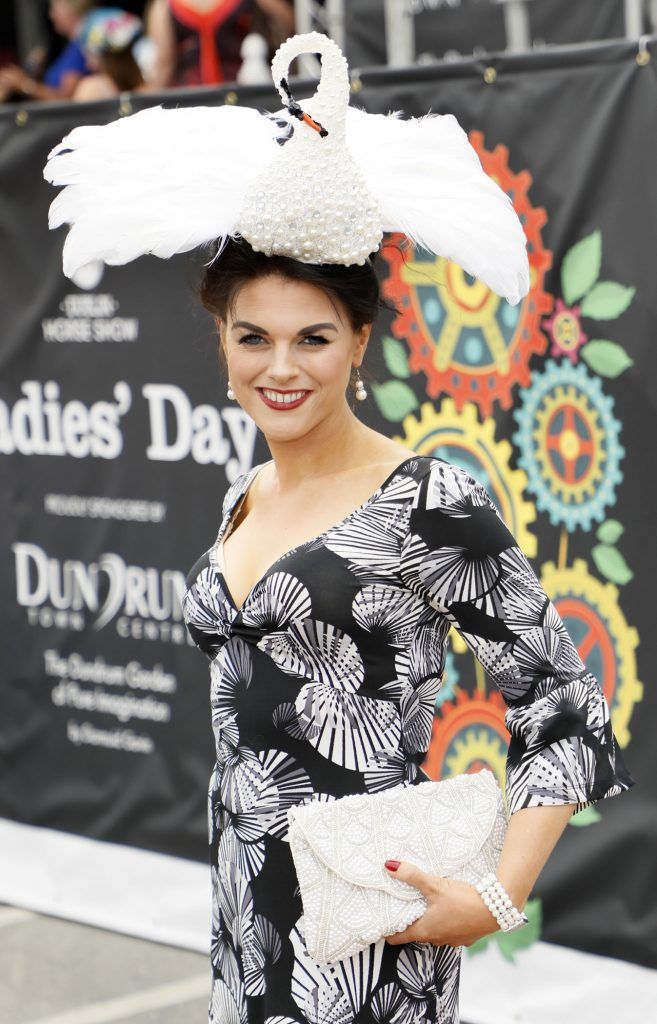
(108,38)
(275,21)
(198,42)
(60,78)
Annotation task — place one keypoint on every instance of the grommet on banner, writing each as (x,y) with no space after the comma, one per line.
(643,54)
(125,104)
(230,97)
(21,118)
(490,75)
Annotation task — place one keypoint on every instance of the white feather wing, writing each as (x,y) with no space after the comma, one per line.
(160,181)
(429,183)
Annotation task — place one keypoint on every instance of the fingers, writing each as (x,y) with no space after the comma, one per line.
(414,933)
(413,875)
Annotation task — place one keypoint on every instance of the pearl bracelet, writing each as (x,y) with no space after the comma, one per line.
(500,904)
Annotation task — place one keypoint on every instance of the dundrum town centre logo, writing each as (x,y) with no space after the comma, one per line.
(142,603)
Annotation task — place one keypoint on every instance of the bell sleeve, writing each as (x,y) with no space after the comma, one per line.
(462,560)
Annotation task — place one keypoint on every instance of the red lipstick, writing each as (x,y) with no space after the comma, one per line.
(280,405)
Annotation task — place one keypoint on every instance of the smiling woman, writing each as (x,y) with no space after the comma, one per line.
(341,564)
(324,606)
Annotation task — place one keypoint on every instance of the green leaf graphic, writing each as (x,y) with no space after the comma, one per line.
(610,563)
(606,357)
(581,267)
(610,532)
(395,357)
(589,816)
(520,939)
(395,399)
(607,300)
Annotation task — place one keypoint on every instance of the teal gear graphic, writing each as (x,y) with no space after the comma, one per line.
(568,442)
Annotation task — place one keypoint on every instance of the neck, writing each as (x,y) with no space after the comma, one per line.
(338,443)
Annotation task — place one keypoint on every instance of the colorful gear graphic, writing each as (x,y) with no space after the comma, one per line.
(469,342)
(568,441)
(566,331)
(606,643)
(459,645)
(460,438)
(467,735)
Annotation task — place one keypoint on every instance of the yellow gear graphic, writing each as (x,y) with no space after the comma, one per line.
(476,749)
(461,438)
(568,443)
(603,633)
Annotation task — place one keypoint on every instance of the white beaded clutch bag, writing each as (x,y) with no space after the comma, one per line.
(454,828)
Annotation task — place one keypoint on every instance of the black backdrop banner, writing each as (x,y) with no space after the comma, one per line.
(118,444)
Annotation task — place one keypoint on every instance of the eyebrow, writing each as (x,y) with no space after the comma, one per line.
(304,330)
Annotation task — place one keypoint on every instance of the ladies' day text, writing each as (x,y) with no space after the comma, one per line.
(41,422)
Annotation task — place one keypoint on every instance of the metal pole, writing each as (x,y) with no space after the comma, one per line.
(29,27)
(516,24)
(335,21)
(400,33)
(307,14)
(303,15)
(633,18)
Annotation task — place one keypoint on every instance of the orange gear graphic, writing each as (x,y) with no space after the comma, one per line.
(468,734)
(470,343)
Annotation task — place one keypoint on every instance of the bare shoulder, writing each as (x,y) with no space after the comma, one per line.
(390,456)
(257,489)
(94,87)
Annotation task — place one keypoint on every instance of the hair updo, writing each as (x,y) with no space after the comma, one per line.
(356,287)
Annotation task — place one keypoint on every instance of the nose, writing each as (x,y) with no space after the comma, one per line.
(283,367)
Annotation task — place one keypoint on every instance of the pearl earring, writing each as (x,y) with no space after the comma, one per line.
(230,393)
(361,391)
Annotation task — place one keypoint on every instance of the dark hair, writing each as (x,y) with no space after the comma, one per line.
(357,287)
(123,69)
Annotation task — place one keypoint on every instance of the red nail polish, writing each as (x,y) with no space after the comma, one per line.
(392,865)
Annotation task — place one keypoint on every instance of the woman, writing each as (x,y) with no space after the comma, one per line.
(62,76)
(108,38)
(198,42)
(324,607)
(341,563)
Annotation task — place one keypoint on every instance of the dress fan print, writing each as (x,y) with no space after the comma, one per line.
(324,684)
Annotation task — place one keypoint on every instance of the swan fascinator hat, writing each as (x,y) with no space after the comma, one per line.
(319,183)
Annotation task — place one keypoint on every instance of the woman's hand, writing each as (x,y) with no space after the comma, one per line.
(456,915)
(14,79)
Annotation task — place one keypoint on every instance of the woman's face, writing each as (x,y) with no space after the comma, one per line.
(289,353)
(64,17)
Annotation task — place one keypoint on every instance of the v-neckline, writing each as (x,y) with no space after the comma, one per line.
(240,497)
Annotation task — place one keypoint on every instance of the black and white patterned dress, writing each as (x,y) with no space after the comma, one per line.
(324,682)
